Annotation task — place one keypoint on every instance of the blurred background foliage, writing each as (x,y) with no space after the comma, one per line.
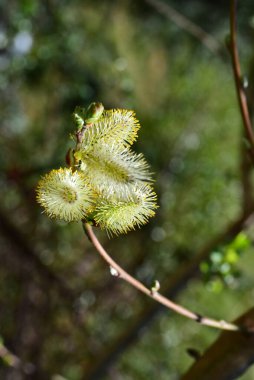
(59,307)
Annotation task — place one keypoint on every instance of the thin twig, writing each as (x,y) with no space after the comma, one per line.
(121,273)
(184,23)
(172,287)
(239,80)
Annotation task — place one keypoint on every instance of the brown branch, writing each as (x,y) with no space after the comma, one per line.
(175,284)
(184,23)
(229,356)
(118,271)
(243,105)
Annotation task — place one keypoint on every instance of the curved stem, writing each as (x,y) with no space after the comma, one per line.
(238,80)
(120,272)
(184,23)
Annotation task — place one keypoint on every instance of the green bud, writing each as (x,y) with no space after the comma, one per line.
(155,287)
(79,117)
(94,112)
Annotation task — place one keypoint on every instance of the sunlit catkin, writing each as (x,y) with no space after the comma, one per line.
(106,183)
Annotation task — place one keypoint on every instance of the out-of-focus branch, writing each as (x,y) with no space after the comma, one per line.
(14,361)
(184,23)
(228,357)
(243,105)
(8,357)
(17,240)
(175,284)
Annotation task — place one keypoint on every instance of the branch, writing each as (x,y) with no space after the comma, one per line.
(229,356)
(14,361)
(174,285)
(153,293)
(239,82)
(17,240)
(184,23)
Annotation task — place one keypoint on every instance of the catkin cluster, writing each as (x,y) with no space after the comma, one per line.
(105,183)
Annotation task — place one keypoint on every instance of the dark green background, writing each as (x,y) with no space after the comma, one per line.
(59,307)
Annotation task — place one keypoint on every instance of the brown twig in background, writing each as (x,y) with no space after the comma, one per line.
(243,105)
(228,357)
(118,271)
(184,23)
